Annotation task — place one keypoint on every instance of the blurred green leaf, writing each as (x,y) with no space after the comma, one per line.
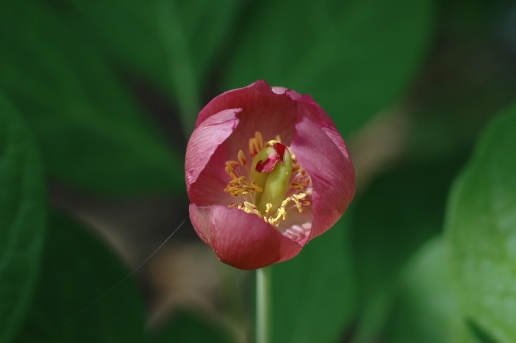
(408,204)
(91,134)
(174,42)
(466,82)
(470,15)
(353,57)
(313,295)
(77,269)
(479,333)
(481,227)
(428,310)
(401,210)
(187,328)
(22,219)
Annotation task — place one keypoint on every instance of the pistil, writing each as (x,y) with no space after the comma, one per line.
(271,170)
(272,181)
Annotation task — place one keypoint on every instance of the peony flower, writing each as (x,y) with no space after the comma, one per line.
(266,172)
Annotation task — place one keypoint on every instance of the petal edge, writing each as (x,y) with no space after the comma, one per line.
(240,239)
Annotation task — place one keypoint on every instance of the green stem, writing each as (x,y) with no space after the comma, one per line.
(263,305)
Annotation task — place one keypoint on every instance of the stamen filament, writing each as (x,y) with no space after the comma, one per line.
(268,193)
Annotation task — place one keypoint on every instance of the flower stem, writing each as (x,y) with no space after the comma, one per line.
(263,305)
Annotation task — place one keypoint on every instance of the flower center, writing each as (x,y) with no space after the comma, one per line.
(272,184)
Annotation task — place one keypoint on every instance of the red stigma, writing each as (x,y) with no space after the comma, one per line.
(275,156)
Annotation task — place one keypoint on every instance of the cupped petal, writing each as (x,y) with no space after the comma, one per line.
(307,107)
(270,111)
(298,225)
(223,128)
(240,239)
(230,98)
(205,158)
(330,169)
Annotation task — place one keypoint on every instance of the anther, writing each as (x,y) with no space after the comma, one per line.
(274,173)
(241,158)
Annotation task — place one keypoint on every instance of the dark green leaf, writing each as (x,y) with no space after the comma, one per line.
(408,206)
(402,209)
(428,309)
(453,101)
(186,328)
(482,336)
(353,57)
(77,269)
(174,42)
(91,134)
(22,219)
(313,294)
(481,227)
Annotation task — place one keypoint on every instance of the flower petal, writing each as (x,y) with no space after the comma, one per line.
(240,239)
(205,159)
(297,226)
(330,168)
(224,127)
(264,110)
(308,107)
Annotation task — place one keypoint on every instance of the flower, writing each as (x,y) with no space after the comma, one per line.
(266,171)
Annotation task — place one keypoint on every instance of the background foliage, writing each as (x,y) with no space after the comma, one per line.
(98,99)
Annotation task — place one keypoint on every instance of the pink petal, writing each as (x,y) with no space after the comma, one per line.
(240,239)
(298,225)
(224,127)
(263,110)
(308,107)
(330,168)
(230,98)
(205,159)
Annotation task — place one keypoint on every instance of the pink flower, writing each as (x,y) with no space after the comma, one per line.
(241,138)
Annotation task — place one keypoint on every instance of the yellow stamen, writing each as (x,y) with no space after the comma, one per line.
(297,185)
(248,192)
(295,198)
(241,186)
(241,158)
(285,202)
(259,138)
(299,196)
(255,144)
(272,142)
(230,166)
(280,214)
